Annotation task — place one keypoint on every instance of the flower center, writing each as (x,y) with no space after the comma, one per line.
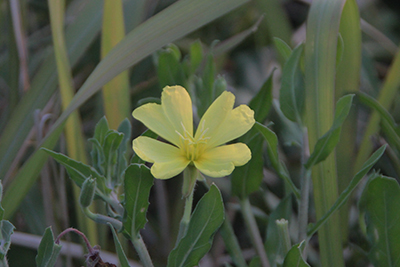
(193,148)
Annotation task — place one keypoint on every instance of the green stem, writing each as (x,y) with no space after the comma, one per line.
(99,218)
(303,206)
(183,226)
(232,244)
(254,232)
(141,249)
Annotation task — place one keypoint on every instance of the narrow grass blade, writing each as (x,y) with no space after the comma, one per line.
(350,188)
(327,143)
(385,98)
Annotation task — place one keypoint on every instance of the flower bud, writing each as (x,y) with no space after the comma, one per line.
(87,192)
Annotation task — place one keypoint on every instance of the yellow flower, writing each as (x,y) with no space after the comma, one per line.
(173,121)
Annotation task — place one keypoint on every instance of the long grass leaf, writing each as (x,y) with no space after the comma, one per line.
(320,65)
(115,92)
(347,81)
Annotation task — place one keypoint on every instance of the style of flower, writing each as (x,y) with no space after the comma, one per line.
(206,149)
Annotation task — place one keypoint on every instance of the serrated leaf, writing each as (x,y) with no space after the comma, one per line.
(123,260)
(349,189)
(48,251)
(79,172)
(283,48)
(294,258)
(329,140)
(382,205)
(273,244)
(137,184)
(204,222)
(247,179)
(262,101)
(292,93)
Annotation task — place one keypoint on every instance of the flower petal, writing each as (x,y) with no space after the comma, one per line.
(177,106)
(168,160)
(221,161)
(153,117)
(238,122)
(215,115)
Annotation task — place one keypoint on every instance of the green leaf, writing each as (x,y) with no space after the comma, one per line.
(205,221)
(48,251)
(137,184)
(291,95)
(101,130)
(7,229)
(347,192)
(79,172)
(110,148)
(255,262)
(329,140)
(262,101)
(283,48)
(169,69)
(196,56)
(294,258)
(383,223)
(390,127)
(273,244)
(233,41)
(272,149)
(247,179)
(123,260)
(204,86)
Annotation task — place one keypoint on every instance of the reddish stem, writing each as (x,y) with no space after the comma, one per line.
(91,250)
